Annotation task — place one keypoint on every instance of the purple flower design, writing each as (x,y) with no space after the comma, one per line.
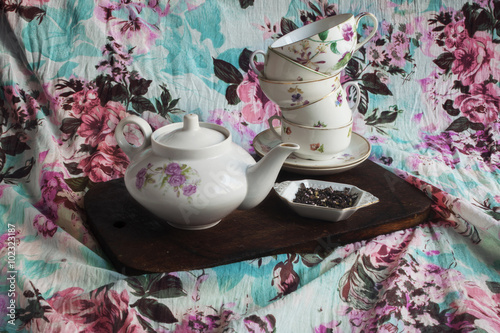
(189,190)
(296,97)
(140,178)
(177,180)
(173,169)
(175,176)
(347,32)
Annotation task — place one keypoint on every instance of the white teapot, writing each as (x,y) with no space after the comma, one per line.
(192,175)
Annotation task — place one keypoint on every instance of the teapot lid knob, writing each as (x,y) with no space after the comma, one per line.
(190,122)
(191,135)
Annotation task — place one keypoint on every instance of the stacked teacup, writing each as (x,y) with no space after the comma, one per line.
(302,76)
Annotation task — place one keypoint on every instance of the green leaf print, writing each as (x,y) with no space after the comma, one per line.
(323,35)
(333,47)
(345,59)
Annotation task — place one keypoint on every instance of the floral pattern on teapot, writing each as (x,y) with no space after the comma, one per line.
(181,178)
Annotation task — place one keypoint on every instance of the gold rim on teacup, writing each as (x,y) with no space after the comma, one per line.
(270,49)
(304,70)
(336,77)
(311,103)
(283,119)
(349,83)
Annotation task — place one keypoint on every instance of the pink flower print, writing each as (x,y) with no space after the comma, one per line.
(480,303)
(472,59)
(100,122)
(388,252)
(375,53)
(338,102)
(401,40)
(84,101)
(173,169)
(455,33)
(347,32)
(45,227)
(134,30)
(482,105)
(268,29)
(258,108)
(51,184)
(396,55)
(92,123)
(385,27)
(102,310)
(177,180)
(107,163)
(189,190)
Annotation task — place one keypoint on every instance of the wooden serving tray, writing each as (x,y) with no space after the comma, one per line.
(138,242)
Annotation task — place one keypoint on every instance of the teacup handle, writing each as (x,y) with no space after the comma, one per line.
(145,128)
(273,130)
(374,31)
(252,63)
(346,87)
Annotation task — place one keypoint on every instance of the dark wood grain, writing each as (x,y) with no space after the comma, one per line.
(137,242)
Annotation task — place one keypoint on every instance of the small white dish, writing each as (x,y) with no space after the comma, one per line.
(287,190)
(358,151)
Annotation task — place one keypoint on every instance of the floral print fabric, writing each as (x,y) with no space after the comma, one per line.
(429,105)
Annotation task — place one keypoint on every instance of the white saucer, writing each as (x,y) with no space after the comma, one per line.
(359,150)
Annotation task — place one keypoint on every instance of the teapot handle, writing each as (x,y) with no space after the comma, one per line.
(144,127)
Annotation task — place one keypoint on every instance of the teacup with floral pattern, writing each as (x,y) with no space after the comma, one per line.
(326,45)
(331,111)
(290,94)
(316,143)
(277,67)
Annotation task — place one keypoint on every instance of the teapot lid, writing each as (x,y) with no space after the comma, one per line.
(191,135)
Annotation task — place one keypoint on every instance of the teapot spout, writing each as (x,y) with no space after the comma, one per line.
(262,175)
